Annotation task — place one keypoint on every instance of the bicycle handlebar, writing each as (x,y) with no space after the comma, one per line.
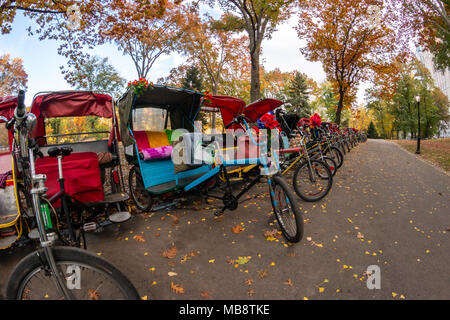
(20,109)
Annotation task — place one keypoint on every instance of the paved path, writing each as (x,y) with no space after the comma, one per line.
(386,208)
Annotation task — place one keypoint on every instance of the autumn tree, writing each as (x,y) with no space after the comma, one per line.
(429,21)
(97,22)
(146,36)
(12,75)
(324,101)
(97,74)
(215,51)
(353,39)
(258,18)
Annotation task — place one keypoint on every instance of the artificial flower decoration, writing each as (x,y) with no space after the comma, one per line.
(207,97)
(269,121)
(139,86)
(315,120)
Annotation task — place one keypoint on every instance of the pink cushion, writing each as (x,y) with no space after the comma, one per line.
(157,153)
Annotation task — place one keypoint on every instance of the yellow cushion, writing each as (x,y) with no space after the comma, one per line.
(157,139)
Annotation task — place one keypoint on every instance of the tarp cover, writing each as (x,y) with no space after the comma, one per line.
(256,109)
(183,107)
(81,173)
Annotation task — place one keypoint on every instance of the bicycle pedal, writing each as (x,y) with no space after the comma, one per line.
(219,213)
(90,226)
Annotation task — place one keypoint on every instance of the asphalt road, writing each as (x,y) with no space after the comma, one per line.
(386,208)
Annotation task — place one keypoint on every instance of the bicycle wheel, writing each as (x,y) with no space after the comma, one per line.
(331,164)
(335,154)
(141,197)
(312,180)
(286,210)
(88,277)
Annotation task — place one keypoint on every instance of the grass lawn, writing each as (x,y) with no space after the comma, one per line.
(434,150)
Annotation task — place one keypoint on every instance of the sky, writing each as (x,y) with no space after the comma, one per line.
(42,62)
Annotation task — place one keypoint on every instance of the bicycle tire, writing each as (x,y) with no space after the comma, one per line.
(335,154)
(135,173)
(33,263)
(318,196)
(331,164)
(296,236)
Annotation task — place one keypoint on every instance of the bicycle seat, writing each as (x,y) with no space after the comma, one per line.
(59,151)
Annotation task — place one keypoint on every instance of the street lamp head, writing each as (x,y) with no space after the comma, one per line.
(418,98)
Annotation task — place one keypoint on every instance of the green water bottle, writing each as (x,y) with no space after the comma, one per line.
(46,216)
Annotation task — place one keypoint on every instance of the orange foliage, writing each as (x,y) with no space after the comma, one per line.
(12,75)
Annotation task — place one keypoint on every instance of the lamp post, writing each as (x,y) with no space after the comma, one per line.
(418,124)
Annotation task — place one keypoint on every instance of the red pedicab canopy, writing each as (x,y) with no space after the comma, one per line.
(69,104)
(81,170)
(7,107)
(229,108)
(257,109)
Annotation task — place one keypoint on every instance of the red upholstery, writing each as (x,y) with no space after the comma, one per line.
(141,140)
(81,173)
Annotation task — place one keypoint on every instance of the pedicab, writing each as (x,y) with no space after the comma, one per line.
(77,134)
(157,127)
(238,144)
(150,126)
(10,217)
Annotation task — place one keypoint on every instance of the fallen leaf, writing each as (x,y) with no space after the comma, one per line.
(170,253)
(274,233)
(237,229)
(249,282)
(288,282)
(176,288)
(321,289)
(175,219)
(172,274)
(243,260)
(205,294)
(262,273)
(251,292)
(139,238)
(93,294)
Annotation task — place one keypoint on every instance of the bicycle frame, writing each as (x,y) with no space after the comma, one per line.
(21,147)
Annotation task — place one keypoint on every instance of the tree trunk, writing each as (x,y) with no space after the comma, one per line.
(213,117)
(340,107)
(255,85)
